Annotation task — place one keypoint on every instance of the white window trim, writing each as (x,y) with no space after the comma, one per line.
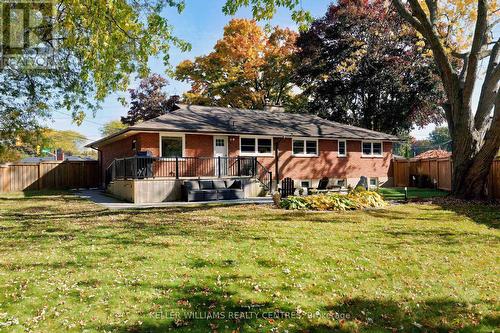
(178,135)
(345,148)
(306,139)
(376,181)
(256,153)
(371,145)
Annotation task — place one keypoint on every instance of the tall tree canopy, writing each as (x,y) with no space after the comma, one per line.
(149,100)
(95,47)
(111,127)
(71,142)
(460,34)
(361,64)
(440,136)
(248,68)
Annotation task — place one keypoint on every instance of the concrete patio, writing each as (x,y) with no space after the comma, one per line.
(102,199)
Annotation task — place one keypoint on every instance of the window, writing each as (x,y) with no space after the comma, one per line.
(304,147)
(372,148)
(256,146)
(219,143)
(373,182)
(247,145)
(264,146)
(305,183)
(342,148)
(171,146)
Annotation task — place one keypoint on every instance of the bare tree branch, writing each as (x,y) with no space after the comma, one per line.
(489,91)
(400,7)
(477,44)
(428,31)
(432,6)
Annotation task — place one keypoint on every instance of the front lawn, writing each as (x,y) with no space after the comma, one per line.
(398,193)
(69,265)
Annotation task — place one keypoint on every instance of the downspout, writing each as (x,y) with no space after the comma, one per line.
(99,159)
(276,162)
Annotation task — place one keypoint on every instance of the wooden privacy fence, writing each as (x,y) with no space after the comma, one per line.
(48,175)
(439,171)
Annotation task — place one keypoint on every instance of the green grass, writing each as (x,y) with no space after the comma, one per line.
(69,265)
(398,193)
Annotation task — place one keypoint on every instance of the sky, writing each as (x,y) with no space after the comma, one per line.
(201,24)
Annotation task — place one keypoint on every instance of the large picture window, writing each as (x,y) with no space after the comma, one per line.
(256,146)
(171,146)
(372,148)
(304,147)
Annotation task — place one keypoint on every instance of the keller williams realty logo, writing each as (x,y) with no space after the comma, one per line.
(27,36)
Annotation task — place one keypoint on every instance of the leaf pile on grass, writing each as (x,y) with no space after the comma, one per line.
(335,201)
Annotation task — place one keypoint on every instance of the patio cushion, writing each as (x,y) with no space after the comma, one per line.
(236,184)
(206,185)
(323,183)
(219,184)
(331,183)
(192,185)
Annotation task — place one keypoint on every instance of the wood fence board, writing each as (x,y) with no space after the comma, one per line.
(440,170)
(48,175)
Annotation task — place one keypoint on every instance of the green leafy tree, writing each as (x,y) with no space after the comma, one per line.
(440,136)
(70,142)
(112,126)
(97,46)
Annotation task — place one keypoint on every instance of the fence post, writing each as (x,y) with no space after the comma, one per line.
(254,167)
(134,172)
(176,167)
(239,166)
(124,168)
(218,166)
(39,179)
(271,182)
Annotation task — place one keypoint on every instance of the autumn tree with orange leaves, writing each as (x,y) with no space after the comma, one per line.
(248,68)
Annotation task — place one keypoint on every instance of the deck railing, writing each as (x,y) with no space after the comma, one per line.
(143,167)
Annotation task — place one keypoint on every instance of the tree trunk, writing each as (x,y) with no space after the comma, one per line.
(472,158)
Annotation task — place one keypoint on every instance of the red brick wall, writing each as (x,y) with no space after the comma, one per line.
(117,149)
(327,164)
(199,145)
(149,142)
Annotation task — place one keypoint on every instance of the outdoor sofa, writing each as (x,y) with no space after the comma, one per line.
(209,190)
(327,185)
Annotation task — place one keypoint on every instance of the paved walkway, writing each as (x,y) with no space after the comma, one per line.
(104,200)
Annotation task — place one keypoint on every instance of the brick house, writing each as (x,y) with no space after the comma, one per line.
(202,142)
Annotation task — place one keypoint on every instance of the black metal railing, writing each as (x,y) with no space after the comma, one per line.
(143,167)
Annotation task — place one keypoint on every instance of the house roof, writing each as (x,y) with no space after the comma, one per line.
(35,159)
(212,119)
(437,153)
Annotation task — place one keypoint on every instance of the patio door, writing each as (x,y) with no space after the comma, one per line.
(220,150)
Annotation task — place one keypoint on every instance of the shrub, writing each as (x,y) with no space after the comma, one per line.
(334,201)
(359,188)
